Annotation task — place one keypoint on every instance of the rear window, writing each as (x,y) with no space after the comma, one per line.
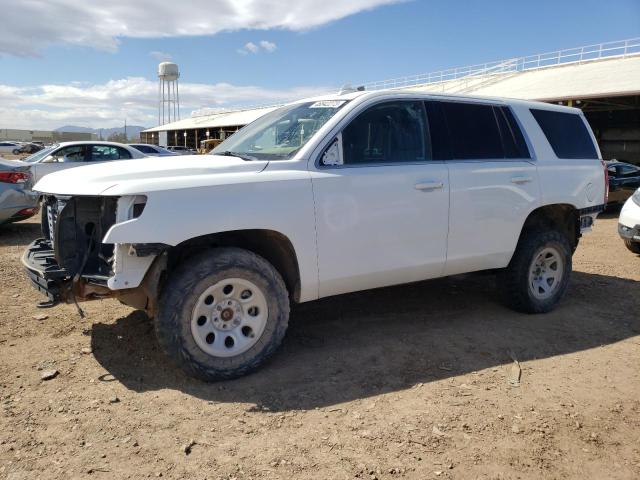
(567,134)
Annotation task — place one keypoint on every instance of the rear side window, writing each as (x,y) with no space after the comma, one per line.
(567,134)
(473,131)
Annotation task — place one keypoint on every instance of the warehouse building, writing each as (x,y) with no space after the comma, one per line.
(45,136)
(603,80)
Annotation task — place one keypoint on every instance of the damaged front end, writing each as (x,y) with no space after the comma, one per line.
(71,263)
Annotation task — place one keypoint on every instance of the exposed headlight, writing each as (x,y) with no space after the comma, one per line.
(130,207)
(636,197)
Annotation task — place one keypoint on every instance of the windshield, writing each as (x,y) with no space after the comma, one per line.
(36,157)
(280,134)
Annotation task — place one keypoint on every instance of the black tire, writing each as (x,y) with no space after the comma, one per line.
(16,151)
(632,246)
(514,280)
(184,287)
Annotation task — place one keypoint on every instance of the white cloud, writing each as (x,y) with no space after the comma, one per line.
(30,26)
(161,56)
(268,46)
(251,47)
(134,98)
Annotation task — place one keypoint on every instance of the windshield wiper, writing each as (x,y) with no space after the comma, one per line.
(243,156)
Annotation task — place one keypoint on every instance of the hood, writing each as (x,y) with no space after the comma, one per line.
(125,177)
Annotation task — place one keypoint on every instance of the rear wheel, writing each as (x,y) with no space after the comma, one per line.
(633,246)
(222,314)
(538,274)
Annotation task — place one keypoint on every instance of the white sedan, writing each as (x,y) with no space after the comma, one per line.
(76,154)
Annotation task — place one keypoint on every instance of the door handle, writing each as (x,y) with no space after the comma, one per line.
(522,179)
(429,186)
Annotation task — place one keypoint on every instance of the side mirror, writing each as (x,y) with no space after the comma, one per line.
(333,153)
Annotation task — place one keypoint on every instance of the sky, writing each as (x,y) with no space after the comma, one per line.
(94,62)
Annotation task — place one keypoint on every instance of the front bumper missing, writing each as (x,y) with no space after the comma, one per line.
(44,272)
(629,233)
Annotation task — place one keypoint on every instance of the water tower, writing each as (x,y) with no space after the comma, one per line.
(168,93)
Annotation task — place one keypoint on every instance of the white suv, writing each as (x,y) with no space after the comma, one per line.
(321,197)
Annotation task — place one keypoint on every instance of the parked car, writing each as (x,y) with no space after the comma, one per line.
(322,197)
(17,201)
(61,156)
(8,147)
(153,150)
(629,223)
(180,150)
(624,179)
(27,148)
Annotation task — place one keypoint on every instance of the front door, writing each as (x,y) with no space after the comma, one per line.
(382,210)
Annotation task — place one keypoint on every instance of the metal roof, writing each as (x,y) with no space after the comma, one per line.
(603,78)
(216,120)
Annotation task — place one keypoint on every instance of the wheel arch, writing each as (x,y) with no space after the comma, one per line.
(563,217)
(273,246)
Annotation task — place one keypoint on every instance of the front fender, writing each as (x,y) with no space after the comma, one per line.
(284,205)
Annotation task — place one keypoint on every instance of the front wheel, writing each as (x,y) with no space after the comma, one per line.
(632,246)
(222,314)
(538,274)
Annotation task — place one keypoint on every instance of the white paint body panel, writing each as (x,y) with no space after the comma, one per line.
(376,229)
(630,214)
(352,228)
(490,201)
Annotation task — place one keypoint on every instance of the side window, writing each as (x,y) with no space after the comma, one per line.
(103,153)
(144,149)
(512,138)
(123,153)
(440,141)
(473,131)
(629,171)
(70,154)
(567,134)
(388,132)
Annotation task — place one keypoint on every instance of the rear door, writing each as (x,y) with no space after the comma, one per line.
(494,184)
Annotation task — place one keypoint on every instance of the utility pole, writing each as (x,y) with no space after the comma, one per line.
(125,130)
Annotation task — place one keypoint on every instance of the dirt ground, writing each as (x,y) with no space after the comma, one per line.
(410,382)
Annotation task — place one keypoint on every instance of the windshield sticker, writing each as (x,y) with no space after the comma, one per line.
(328,104)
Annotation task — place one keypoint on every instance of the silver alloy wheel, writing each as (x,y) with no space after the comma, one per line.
(229,317)
(546,273)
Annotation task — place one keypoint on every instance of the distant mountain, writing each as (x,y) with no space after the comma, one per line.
(133,131)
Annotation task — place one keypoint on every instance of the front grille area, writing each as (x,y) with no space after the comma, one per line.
(74,227)
(52,216)
(52,206)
